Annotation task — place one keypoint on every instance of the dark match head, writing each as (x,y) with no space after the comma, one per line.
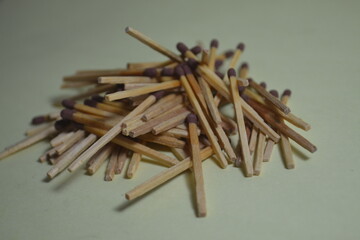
(90,102)
(241,89)
(274,93)
(287,92)
(245,97)
(191,118)
(214,43)
(196,50)
(150,72)
(250,80)
(218,63)
(182,47)
(219,74)
(68,103)
(192,63)
(38,120)
(167,72)
(229,53)
(62,125)
(67,114)
(179,71)
(241,46)
(187,69)
(158,94)
(263,84)
(244,65)
(98,98)
(231,72)
(119,87)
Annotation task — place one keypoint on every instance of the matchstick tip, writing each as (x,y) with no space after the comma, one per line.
(158,94)
(90,102)
(192,63)
(191,118)
(218,63)
(67,114)
(150,72)
(231,72)
(241,89)
(167,72)
(274,93)
(62,125)
(244,65)
(127,29)
(38,120)
(241,46)
(182,47)
(229,53)
(98,98)
(214,43)
(179,71)
(187,69)
(68,103)
(263,84)
(196,50)
(287,92)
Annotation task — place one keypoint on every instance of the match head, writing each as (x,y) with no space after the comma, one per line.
(187,69)
(231,73)
(182,47)
(68,103)
(167,72)
(192,63)
(241,46)
(263,84)
(244,65)
(158,94)
(90,102)
(241,89)
(179,71)
(98,98)
(67,114)
(287,92)
(62,125)
(274,93)
(245,97)
(219,74)
(150,72)
(218,63)
(38,120)
(214,43)
(119,87)
(196,50)
(229,53)
(191,118)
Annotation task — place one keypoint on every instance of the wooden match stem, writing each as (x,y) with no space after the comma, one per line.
(166,175)
(170,123)
(268,149)
(212,58)
(110,168)
(144,65)
(209,99)
(78,135)
(162,106)
(60,138)
(133,164)
(120,163)
(93,91)
(100,158)
(259,154)
(126,79)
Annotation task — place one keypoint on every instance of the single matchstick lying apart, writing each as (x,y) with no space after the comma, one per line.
(175,104)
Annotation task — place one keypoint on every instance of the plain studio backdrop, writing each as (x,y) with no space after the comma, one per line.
(311,47)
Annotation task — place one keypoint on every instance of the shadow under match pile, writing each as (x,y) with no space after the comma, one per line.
(173,105)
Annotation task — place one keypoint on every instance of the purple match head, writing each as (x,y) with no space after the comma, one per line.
(231,72)
(62,125)
(90,102)
(214,43)
(250,80)
(263,84)
(244,65)
(245,97)
(191,118)
(196,50)
(150,72)
(187,69)
(158,94)
(179,71)
(119,87)
(218,63)
(241,89)
(68,103)
(192,63)
(67,114)
(287,92)
(274,93)
(219,74)
(38,120)
(182,47)
(241,46)
(229,53)
(98,98)
(167,72)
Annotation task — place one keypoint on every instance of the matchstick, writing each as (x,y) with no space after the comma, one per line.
(110,168)
(78,135)
(151,43)
(240,123)
(126,79)
(244,70)
(114,131)
(134,164)
(61,138)
(170,123)
(105,107)
(100,158)
(209,99)
(180,153)
(96,90)
(70,155)
(121,159)
(197,166)
(70,104)
(205,124)
(170,101)
(142,90)
(259,154)
(27,142)
(212,56)
(235,58)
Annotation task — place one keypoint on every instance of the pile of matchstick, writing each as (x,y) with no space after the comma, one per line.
(128,113)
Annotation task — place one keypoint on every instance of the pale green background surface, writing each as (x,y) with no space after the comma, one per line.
(311,47)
